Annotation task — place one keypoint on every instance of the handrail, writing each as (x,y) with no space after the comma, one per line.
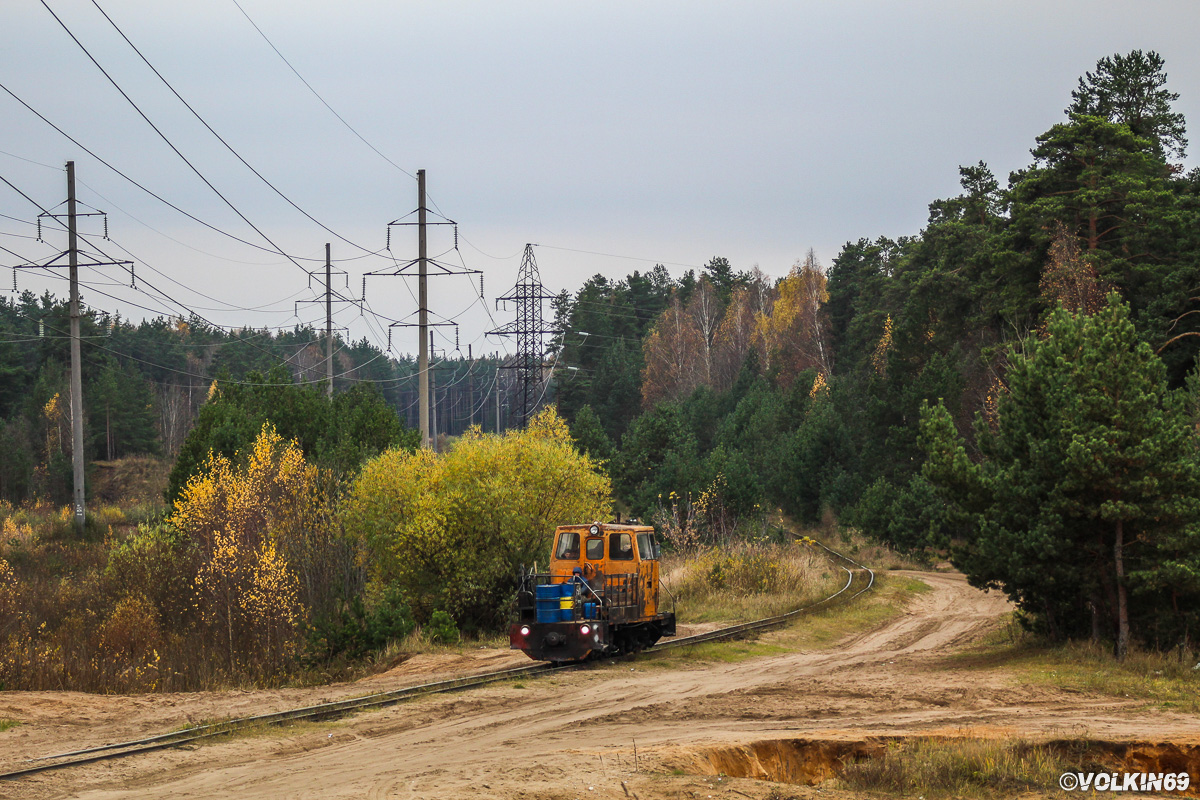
(588,586)
(668,588)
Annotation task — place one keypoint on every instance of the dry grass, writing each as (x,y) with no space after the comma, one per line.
(419,642)
(133,481)
(820,629)
(959,768)
(747,581)
(825,628)
(874,554)
(1165,680)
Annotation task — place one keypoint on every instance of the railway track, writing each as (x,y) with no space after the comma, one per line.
(859,579)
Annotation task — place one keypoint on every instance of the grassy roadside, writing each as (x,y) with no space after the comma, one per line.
(821,629)
(747,580)
(1164,681)
(975,768)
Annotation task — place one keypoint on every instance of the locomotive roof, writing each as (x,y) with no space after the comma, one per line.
(606,526)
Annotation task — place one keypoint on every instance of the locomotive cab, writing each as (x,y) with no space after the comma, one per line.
(600,596)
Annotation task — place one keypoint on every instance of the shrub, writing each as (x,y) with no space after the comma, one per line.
(441,628)
(129,646)
(452,529)
(356,630)
(158,563)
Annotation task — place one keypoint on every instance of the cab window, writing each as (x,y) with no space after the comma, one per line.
(568,546)
(595,548)
(620,546)
(646,547)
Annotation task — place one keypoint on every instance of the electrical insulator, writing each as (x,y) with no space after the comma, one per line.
(389,238)
(106,227)
(14,280)
(132,278)
(39,229)
(389,340)
(42,328)
(481,286)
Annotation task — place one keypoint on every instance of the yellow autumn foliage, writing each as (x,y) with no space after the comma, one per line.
(8,598)
(243,518)
(452,529)
(791,333)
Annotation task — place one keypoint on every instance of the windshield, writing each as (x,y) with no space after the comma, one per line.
(646,547)
(568,546)
(620,546)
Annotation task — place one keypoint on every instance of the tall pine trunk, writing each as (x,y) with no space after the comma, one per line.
(1122,594)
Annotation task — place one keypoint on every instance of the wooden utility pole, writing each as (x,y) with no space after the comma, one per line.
(328,301)
(423,262)
(471,384)
(73,265)
(76,361)
(422,311)
(328,322)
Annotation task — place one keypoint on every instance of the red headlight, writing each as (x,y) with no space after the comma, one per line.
(524,630)
(585,630)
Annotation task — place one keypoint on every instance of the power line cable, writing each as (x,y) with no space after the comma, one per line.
(106,294)
(171,238)
(316,94)
(151,192)
(191,312)
(29,160)
(167,140)
(230,306)
(210,129)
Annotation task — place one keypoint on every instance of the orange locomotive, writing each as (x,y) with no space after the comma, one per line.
(600,597)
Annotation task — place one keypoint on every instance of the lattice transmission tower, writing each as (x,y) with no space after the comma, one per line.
(528,328)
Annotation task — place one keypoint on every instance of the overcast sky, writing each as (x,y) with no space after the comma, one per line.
(664,131)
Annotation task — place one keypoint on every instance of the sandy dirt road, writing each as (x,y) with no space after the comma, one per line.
(575,734)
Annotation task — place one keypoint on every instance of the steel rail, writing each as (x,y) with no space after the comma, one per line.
(381,699)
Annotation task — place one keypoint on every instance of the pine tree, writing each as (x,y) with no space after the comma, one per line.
(1091,467)
(1130,89)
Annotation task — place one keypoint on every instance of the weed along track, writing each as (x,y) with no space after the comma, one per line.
(859,579)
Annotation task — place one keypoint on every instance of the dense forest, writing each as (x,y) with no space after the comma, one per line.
(724,393)
(1013,387)
(144,385)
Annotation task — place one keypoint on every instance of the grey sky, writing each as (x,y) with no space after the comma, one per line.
(670,131)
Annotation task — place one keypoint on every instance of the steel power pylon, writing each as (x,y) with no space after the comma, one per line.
(528,329)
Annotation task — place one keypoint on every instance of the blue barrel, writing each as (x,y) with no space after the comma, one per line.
(589,610)
(566,614)
(549,591)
